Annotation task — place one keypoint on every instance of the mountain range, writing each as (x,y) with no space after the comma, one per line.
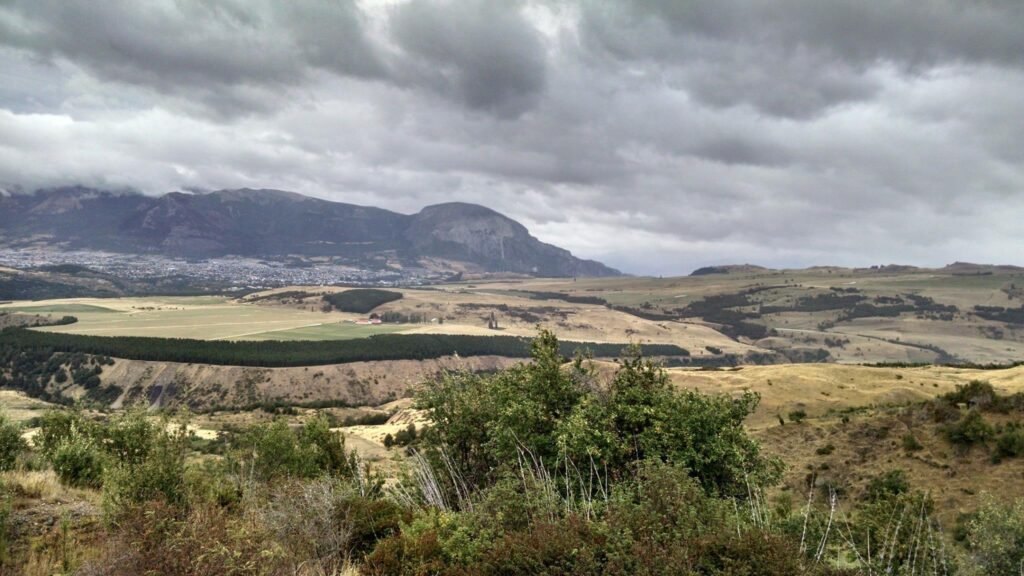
(275,224)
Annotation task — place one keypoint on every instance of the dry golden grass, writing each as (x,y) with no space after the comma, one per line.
(43,485)
(819,388)
(18,407)
(870,444)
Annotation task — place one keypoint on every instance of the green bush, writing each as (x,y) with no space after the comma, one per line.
(995,537)
(58,426)
(887,485)
(662,507)
(147,463)
(1009,444)
(974,393)
(274,451)
(130,436)
(896,530)
(971,429)
(79,462)
(555,418)
(405,436)
(11,443)
(910,443)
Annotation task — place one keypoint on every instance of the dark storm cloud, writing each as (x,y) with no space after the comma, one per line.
(658,135)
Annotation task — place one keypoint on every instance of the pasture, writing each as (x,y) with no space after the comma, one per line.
(936,322)
(203,317)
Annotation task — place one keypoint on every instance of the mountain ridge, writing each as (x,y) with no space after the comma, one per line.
(270,223)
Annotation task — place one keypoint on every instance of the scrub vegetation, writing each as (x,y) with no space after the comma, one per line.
(542,468)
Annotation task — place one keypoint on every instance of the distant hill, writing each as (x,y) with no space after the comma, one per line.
(729,269)
(278,224)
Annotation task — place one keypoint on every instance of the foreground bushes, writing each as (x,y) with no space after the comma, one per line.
(11,443)
(995,538)
(583,432)
(539,469)
(275,451)
(661,522)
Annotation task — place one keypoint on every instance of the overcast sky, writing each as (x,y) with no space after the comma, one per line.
(656,136)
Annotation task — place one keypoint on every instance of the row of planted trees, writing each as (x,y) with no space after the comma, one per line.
(545,468)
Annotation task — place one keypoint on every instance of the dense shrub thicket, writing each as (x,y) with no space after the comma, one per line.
(964,424)
(294,353)
(361,300)
(563,422)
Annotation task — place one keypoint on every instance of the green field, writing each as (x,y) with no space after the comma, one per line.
(58,309)
(336,331)
(200,317)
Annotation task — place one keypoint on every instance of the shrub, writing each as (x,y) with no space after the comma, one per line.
(130,436)
(274,451)
(405,436)
(1009,444)
(149,467)
(555,417)
(327,448)
(887,485)
(910,443)
(79,462)
(797,416)
(970,430)
(206,541)
(825,450)
(897,527)
(565,547)
(58,426)
(326,521)
(663,506)
(753,553)
(995,537)
(11,443)
(974,393)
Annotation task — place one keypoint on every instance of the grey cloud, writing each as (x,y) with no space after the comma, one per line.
(800,58)
(486,52)
(232,56)
(659,140)
(906,32)
(236,56)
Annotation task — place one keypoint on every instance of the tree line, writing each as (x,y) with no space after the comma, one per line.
(299,353)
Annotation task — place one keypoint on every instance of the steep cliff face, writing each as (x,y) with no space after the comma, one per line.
(274,223)
(473,233)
